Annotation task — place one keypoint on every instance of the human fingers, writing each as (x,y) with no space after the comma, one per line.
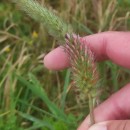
(112,125)
(117,107)
(108,45)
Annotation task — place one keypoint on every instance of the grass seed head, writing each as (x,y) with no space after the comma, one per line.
(55,26)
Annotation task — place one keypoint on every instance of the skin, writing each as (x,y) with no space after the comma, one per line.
(114,46)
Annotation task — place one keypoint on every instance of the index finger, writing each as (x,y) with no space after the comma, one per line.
(108,45)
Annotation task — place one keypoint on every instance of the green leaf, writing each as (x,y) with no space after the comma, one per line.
(37,89)
(37,123)
(64,94)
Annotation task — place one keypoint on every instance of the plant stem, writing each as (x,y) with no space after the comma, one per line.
(91,109)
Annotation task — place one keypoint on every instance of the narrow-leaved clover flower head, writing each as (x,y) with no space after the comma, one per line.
(84,69)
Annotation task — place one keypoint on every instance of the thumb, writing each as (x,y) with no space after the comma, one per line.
(112,125)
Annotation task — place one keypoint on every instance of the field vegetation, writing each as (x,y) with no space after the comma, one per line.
(34,98)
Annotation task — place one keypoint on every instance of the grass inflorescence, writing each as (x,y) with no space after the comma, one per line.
(55,25)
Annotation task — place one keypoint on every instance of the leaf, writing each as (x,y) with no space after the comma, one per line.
(38,123)
(37,89)
(67,81)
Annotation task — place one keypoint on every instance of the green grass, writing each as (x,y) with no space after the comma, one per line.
(34,98)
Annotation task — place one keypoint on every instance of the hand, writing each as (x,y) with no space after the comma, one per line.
(114,46)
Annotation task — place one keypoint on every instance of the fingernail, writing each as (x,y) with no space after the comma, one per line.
(98,127)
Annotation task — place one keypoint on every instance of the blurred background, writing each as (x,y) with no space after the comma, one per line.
(34,98)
